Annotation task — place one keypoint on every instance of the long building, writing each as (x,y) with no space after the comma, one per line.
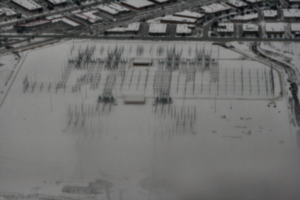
(138,4)
(57,2)
(28,5)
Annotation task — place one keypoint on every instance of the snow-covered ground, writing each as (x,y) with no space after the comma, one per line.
(211,144)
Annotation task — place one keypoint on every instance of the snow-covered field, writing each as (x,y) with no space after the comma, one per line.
(227,137)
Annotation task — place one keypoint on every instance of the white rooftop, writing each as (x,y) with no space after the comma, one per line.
(226,27)
(291,13)
(28,4)
(270,13)
(188,13)
(108,9)
(275,27)
(158,28)
(118,7)
(183,29)
(8,12)
(254,1)
(89,16)
(295,27)
(131,27)
(215,7)
(250,27)
(251,16)
(178,19)
(57,1)
(237,3)
(35,23)
(138,3)
(161,1)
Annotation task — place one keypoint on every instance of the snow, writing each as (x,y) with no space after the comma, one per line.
(236,3)
(226,28)
(7,12)
(158,28)
(118,7)
(28,4)
(132,27)
(295,27)
(189,14)
(246,17)
(70,22)
(183,29)
(161,1)
(108,9)
(275,27)
(208,144)
(138,4)
(291,13)
(250,28)
(175,19)
(55,2)
(270,13)
(54,16)
(215,7)
(34,23)
(253,1)
(89,16)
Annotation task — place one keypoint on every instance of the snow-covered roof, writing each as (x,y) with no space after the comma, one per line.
(138,3)
(236,3)
(28,4)
(183,29)
(270,13)
(290,13)
(7,12)
(57,1)
(88,16)
(70,22)
(158,28)
(226,27)
(108,9)
(54,17)
(34,23)
(130,28)
(161,1)
(274,27)
(251,16)
(118,7)
(253,1)
(250,28)
(189,14)
(215,7)
(177,19)
(295,27)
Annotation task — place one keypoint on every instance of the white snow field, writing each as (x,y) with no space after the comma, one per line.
(228,133)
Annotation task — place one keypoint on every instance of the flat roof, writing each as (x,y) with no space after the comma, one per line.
(191,14)
(275,27)
(237,3)
(108,9)
(34,23)
(57,1)
(291,12)
(131,27)
(178,19)
(138,3)
(161,1)
(295,27)
(88,16)
(226,27)
(158,28)
(250,27)
(270,13)
(215,7)
(183,28)
(28,4)
(118,7)
(253,1)
(246,17)
(70,22)
(7,11)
